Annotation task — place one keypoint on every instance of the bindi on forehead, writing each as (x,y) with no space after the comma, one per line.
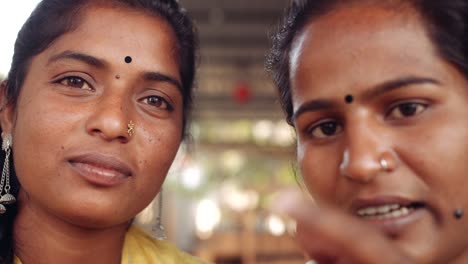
(349,99)
(127,60)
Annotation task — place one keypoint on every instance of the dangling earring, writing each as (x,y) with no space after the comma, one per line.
(158,229)
(6,198)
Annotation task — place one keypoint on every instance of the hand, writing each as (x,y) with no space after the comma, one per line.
(331,236)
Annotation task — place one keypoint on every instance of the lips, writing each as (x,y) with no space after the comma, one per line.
(392,215)
(384,208)
(101,169)
(385,211)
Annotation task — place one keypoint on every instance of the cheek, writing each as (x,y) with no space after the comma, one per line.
(157,150)
(442,164)
(319,169)
(40,133)
(38,150)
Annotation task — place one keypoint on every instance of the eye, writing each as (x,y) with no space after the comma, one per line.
(158,101)
(325,129)
(75,82)
(407,109)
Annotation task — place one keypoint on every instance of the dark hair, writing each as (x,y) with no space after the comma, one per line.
(446,23)
(53,18)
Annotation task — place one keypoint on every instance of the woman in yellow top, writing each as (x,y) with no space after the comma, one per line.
(377,91)
(92,114)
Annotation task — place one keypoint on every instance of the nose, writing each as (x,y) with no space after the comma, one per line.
(110,119)
(367,153)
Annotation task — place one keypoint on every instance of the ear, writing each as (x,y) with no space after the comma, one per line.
(7,110)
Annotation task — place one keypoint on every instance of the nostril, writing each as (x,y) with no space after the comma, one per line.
(123,139)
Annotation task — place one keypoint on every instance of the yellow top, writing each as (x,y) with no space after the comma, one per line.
(140,248)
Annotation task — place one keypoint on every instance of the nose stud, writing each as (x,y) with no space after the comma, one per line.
(130,128)
(384,164)
(387,162)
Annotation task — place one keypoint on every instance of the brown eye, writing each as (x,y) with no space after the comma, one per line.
(326,129)
(158,102)
(75,82)
(405,110)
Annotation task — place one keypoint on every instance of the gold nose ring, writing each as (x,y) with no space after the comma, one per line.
(130,128)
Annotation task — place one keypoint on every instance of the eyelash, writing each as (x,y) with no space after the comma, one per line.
(336,127)
(160,101)
(66,82)
(420,107)
(319,128)
(63,81)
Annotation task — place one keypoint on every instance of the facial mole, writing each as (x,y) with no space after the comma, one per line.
(128,59)
(458,213)
(117,76)
(349,99)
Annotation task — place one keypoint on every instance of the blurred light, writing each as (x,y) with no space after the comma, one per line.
(233,160)
(283,134)
(191,177)
(237,199)
(146,216)
(207,218)
(262,131)
(195,131)
(275,225)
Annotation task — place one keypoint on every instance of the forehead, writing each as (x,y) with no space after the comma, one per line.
(359,46)
(113,32)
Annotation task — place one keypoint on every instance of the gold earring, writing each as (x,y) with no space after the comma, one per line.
(130,128)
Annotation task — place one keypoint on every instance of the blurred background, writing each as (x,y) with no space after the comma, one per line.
(241,152)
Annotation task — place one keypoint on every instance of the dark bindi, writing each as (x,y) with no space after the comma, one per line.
(349,99)
(128,59)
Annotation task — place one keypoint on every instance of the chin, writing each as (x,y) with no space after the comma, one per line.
(95,217)
(95,222)
(432,249)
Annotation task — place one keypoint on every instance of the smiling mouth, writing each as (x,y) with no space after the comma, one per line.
(387,211)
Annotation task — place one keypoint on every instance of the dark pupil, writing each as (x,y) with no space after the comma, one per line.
(328,128)
(408,109)
(155,101)
(75,82)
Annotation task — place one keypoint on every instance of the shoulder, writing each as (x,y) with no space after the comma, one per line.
(142,248)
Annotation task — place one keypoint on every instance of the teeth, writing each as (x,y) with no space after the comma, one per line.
(371,210)
(384,211)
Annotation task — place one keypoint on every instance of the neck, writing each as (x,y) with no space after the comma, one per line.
(41,237)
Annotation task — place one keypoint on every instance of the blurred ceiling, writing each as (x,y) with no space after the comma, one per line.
(234,41)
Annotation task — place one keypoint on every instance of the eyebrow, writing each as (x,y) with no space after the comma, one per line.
(73,55)
(397,84)
(160,77)
(100,63)
(323,104)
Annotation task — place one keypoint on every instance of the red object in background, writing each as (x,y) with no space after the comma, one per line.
(241,93)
